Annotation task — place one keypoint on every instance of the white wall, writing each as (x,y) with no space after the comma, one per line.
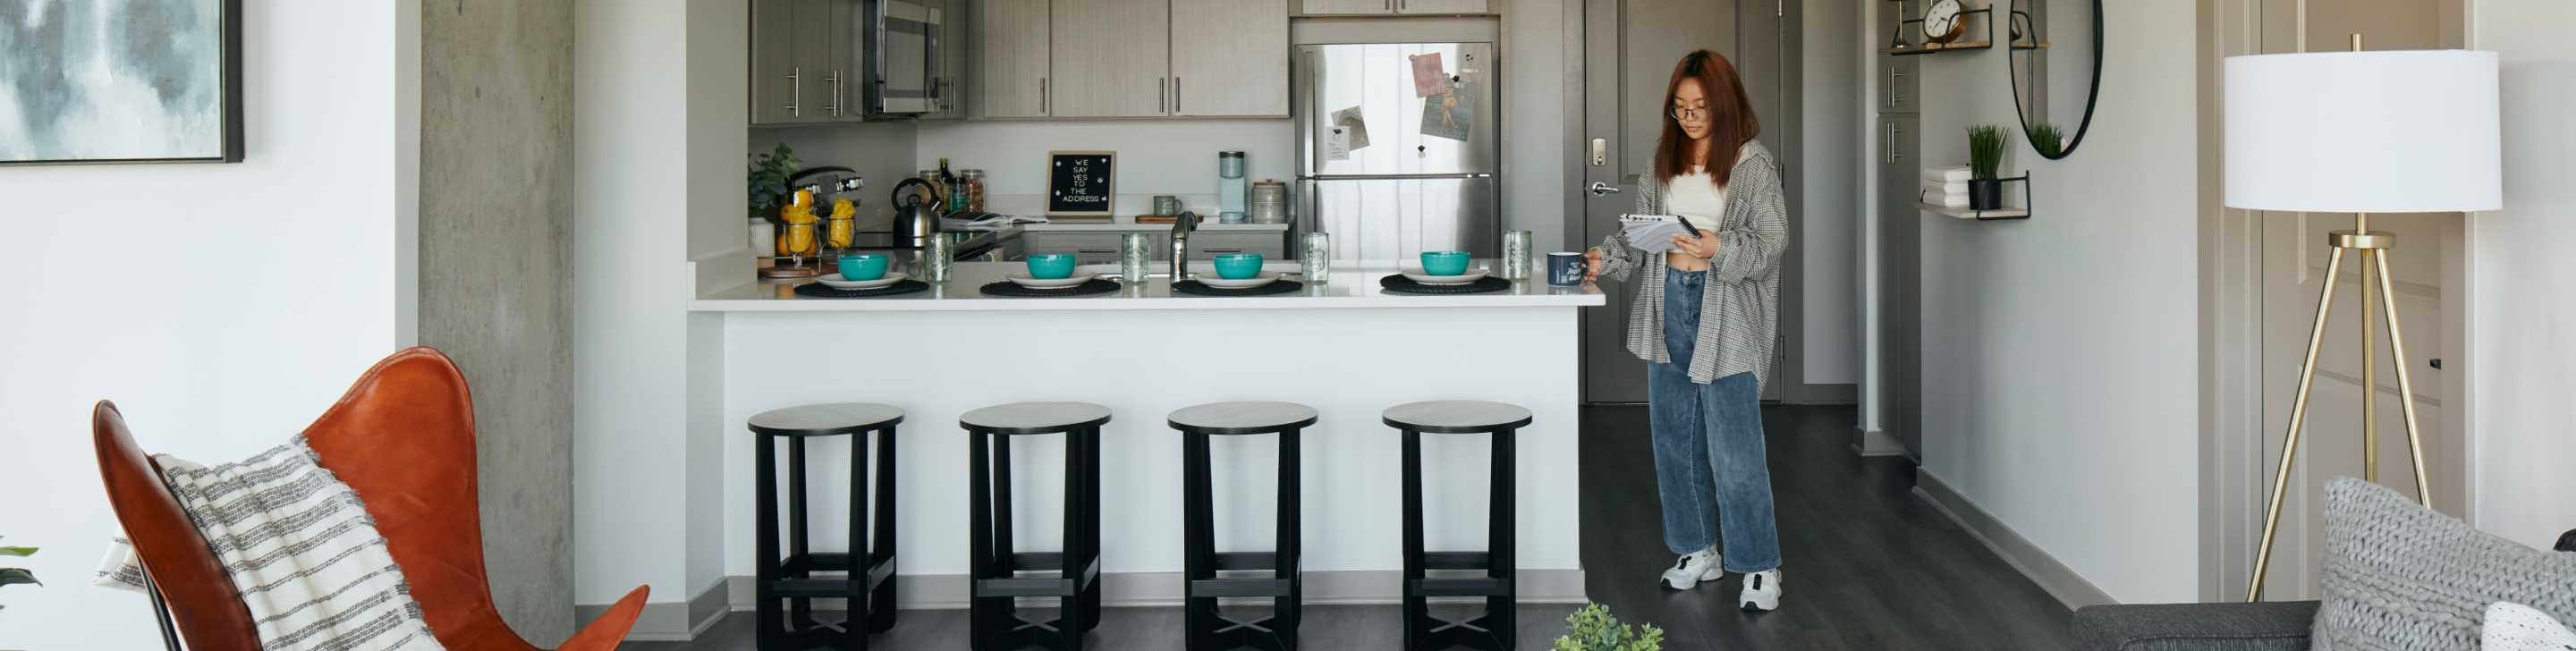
(2059,392)
(293,259)
(1832,194)
(630,283)
(2522,425)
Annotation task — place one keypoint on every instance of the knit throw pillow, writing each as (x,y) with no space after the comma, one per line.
(2401,576)
(2516,627)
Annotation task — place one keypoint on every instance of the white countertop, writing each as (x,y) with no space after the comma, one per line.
(1127,224)
(1352,286)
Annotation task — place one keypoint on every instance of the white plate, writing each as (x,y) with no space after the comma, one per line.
(1416,275)
(1023,279)
(835,281)
(1265,278)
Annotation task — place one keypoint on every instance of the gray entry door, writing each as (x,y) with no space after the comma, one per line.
(1630,47)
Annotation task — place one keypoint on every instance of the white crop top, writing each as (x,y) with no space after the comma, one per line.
(1697,198)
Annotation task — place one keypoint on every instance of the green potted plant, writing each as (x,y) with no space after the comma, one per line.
(13,576)
(1594,629)
(2048,139)
(1985,153)
(769,174)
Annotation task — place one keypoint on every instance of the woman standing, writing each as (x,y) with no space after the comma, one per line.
(1704,318)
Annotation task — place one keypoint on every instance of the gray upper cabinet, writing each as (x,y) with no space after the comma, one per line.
(1011,46)
(1372,7)
(1230,57)
(1111,58)
(803,66)
(1324,7)
(948,87)
(1440,6)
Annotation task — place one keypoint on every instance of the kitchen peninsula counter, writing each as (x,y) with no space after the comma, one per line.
(1346,348)
(1352,286)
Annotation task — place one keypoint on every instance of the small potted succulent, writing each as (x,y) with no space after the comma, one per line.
(12,576)
(1985,153)
(1594,629)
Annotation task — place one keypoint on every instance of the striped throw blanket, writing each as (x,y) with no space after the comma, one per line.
(301,549)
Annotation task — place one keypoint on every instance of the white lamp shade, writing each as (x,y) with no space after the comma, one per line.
(2378,132)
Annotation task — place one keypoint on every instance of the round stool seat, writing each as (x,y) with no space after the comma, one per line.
(825,420)
(1456,416)
(1035,417)
(1244,417)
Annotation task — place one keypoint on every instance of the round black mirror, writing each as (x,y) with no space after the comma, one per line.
(2056,52)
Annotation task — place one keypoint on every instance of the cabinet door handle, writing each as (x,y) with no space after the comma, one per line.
(1893,97)
(1176,95)
(1162,95)
(1213,249)
(1042,96)
(1892,131)
(834,109)
(1095,250)
(795,91)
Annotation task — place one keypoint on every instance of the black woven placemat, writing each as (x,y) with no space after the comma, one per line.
(900,287)
(1012,289)
(1399,284)
(1281,286)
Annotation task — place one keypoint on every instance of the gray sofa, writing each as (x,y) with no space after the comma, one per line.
(2267,626)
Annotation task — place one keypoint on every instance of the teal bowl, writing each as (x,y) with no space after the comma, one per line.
(1050,266)
(864,266)
(1238,266)
(1444,263)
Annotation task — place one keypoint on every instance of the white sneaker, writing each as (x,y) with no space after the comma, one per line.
(1693,568)
(1761,591)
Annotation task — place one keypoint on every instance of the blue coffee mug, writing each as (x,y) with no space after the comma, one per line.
(1566,269)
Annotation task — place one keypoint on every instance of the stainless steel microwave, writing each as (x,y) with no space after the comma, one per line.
(904,75)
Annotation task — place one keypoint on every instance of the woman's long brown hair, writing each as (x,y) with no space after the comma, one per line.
(1730,117)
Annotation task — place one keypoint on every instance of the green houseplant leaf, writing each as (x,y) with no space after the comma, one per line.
(1985,149)
(2048,139)
(1594,629)
(15,576)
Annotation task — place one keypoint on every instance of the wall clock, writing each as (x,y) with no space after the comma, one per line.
(1941,23)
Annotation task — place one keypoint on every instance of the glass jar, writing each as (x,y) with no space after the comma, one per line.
(973,180)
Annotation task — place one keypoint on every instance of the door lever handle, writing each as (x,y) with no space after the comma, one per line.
(1600,189)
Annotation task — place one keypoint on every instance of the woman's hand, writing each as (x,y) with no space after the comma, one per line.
(1703,247)
(1592,264)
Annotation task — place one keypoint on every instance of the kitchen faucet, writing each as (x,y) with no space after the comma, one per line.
(1182,225)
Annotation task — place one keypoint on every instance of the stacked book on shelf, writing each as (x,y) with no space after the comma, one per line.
(1945,186)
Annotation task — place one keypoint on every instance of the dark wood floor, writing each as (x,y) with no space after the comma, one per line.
(1868,565)
(1865,563)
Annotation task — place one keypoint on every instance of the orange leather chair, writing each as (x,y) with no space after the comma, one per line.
(403,438)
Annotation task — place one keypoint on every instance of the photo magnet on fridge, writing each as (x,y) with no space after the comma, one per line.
(1449,115)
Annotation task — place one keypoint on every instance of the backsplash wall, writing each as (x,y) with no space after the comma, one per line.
(1175,157)
(881,152)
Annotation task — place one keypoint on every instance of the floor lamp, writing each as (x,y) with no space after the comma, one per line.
(2360,132)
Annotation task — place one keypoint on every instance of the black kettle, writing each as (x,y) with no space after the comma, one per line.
(916,219)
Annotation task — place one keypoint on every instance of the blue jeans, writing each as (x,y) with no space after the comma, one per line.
(1708,445)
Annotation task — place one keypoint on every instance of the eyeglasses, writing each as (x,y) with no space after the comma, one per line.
(1688,114)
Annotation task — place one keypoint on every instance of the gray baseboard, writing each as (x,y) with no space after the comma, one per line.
(1825,394)
(2059,580)
(672,621)
(1879,443)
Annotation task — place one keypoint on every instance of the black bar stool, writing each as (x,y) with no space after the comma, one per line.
(1493,631)
(994,567)
(1200,588)
(871,583)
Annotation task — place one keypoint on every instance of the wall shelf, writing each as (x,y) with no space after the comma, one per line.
(1935,48)
(1998,214)
(1962,212)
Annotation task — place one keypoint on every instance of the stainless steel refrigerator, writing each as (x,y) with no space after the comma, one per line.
(1388,171)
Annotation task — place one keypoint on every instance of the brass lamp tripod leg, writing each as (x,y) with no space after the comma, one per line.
(2298,422)
(2373,249)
